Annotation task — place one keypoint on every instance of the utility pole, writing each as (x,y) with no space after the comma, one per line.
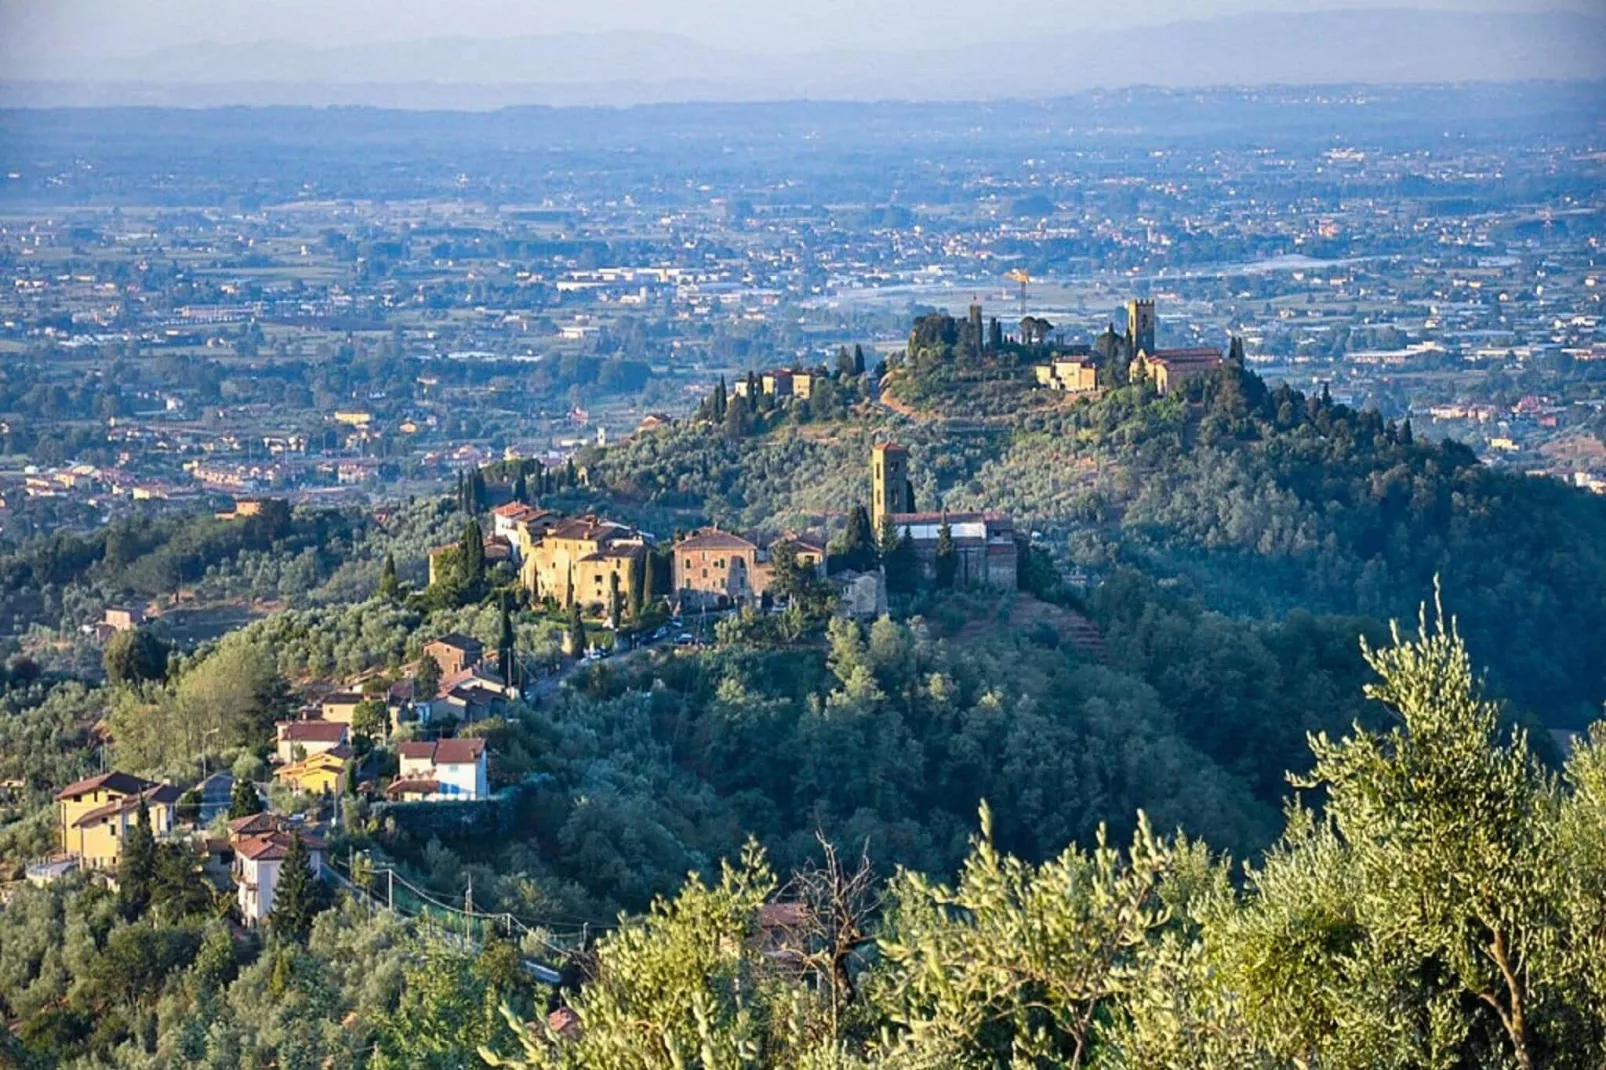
(390,894)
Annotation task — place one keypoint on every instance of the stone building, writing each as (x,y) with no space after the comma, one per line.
(714,567)
(985,547)
(573,560)
(1168,369)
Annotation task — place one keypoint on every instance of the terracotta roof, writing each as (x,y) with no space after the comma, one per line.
(713,540)
(458,751)
(517,511)
(127,783)
(312,732)
(273,846)
(889,447)
(416,750)
(414,786)
(257,824)
(157,793)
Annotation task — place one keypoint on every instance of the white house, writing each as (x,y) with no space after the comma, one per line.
(446,769)
(257,862)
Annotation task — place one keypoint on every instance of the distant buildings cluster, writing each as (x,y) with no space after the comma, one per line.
(1076,371)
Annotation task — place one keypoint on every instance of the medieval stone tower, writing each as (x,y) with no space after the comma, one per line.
(1140,325)
(889,481)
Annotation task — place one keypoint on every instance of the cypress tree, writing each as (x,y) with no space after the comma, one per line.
(649,585)
(298,897)
(947,559)
(521,488)
(426,679)
(506,653)
(570,475)
(638,569)
(615,600)
(473,552)
(136,867)
(577,629)
(858,541)
(858,359)
(244,801)
(389,585)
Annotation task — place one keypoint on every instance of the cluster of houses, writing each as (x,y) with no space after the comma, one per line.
(1075,370)
(313,755)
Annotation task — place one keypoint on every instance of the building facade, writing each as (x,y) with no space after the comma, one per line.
(985,547)
(94,815)
(889,483)
(1072,375)
(1168,369)
(575,560)
(442,770)
(1140,324)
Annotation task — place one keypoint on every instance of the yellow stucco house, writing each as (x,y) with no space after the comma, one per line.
(95,815)
(321,773)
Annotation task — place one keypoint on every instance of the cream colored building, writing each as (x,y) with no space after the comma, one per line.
(574,559)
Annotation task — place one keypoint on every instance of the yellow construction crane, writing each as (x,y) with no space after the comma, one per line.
(1019,275)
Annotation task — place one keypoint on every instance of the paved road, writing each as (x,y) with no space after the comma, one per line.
(548,684)
(216,791)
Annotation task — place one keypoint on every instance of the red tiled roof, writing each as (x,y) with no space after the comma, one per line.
(937,518)
(458,751)
(127,783)
(156,793)
(565,1023)
(414,786)
(273,846)
(257,824)
(713,540)
(1191,355)
(517,511)
(465,643)
(312,732)
(445,751)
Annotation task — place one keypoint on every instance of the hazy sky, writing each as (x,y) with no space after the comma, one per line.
(81,28)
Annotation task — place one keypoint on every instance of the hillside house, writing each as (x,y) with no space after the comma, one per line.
(1071,375)
(714,567)
(258,860)
(323,773)
(340,707)
(454,652)
(442,770)
(95,814)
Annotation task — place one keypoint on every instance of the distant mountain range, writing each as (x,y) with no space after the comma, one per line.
(1367,46)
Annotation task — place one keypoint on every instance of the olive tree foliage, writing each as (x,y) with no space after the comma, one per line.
(1444,908)
(688,985)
